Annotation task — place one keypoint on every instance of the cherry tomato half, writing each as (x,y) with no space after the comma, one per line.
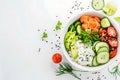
(113,53)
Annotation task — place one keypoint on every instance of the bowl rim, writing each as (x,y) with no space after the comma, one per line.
(86,68)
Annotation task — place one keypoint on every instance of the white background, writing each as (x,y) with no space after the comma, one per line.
(20,39)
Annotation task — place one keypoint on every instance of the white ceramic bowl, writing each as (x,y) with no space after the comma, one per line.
(87,68)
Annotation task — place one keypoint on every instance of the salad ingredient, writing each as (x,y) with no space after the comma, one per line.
(66,68)
(110,8)
(97,4)
(113,42)
(74,51)
(111,32)
(85,53)
(117,19)
(88,38)
(100,45)
(95,37)
(79,29)
(102,49)
(57,58)
(105,23)
(113,53)
(44,35)
(76,23)
(90,22)
(71,28)
(93,47)
(102,32)
(58,25)
(69,39)
(103,57)
(94,62)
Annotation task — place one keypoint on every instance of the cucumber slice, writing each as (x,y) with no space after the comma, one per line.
(94,61)
(79,29)
(110,8)
(105,23)
(101,44)
(93,47)
(98,4)
(103,49)
(103,57)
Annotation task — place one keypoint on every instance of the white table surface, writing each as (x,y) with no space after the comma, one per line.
(20,39)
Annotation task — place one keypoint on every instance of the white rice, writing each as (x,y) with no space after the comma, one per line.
(85,53)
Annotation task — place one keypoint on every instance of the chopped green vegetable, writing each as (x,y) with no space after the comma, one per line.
(58,25)
(95,37)
(88,38)
(117,19)
(66,68)
(44,35)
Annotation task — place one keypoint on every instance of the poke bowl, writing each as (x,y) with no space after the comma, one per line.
(91,41)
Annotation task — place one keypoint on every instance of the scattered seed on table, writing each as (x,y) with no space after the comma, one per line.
(70,12)
(39,49)
(56,16)
(51,47)
(68,17)
(46,41)
(38,30)
(51,42)
(56,35)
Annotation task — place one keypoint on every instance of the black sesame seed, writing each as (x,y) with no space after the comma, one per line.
(39,49)
(51,42)
(56,16)
(51,47)
(38,30)
(46,41)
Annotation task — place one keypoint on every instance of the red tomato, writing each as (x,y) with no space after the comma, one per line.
(113,43)
(102,32)
(113,53)
(57,58)
(111,32)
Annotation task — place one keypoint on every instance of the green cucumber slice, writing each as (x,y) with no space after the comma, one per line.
(98,4)
(105,23)
(94,61)
(110,8)
(101,44)
(79,29)
(103,49)
(93,47)
(103,57)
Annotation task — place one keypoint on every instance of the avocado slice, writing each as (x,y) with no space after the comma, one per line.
(67,46)
(74,51)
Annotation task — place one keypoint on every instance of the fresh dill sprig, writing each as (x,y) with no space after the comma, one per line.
(65,68)
(115,71)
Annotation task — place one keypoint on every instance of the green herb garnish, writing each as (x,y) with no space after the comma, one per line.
(117,19)
(88,38)
(66,68)
(115,71)
(44,35)
(58,25)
